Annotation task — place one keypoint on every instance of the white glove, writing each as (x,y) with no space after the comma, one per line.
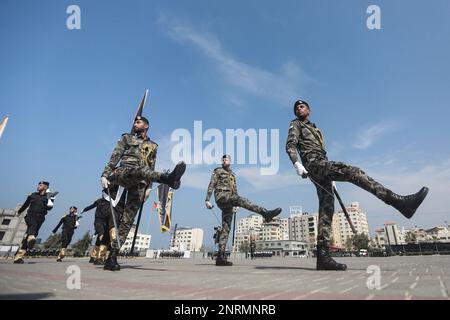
(301,171)
(208,205)
(105,183)
(50,202)
(235,209)
(334,185)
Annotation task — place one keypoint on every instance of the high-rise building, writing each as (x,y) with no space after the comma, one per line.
(303,228)
(142,241)
(359,221)
(247,227)
(12,226)
(187,239)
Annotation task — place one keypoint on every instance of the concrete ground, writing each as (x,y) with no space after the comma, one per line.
(392,278)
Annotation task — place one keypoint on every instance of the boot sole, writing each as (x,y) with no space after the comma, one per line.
(178,173)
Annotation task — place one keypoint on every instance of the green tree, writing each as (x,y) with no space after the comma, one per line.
(80,247)
(348,244)
(360,241)
(53,242)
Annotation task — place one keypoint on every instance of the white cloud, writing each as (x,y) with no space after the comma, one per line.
(367,136)
(433,211)
(282,88)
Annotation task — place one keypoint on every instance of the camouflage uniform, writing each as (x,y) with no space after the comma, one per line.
(223,183)
(137,158)
(306,139)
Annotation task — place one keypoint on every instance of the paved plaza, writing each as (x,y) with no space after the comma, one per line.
(367,278)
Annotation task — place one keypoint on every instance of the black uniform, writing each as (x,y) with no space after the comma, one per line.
(69,225)
(37,209)
(103,220)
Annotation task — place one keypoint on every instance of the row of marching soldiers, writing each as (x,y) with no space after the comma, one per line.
(41,201)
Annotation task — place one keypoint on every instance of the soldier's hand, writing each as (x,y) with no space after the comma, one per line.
(301,171)
(208,205)
(334,185)
(105,183)
(235,209)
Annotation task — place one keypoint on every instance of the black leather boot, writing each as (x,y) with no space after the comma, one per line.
(222,260)
(270,214)
(325,262)
(173,178)
(407,205)
(111,263)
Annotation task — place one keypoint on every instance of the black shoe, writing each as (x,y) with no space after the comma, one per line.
(100,262)
(270,214)
(59,260)
(111,263)
(222,261)
(91,260)
(407,205)
(325,262)
(20,261)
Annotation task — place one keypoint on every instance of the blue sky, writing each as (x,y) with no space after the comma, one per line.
(379,96)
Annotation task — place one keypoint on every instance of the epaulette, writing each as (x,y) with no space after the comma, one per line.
(153,142)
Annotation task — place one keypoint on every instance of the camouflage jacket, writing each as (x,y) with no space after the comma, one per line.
(132,151)
(222,182)
(306,139)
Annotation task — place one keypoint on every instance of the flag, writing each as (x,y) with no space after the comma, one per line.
(3,125)
(164,206)
(140,109)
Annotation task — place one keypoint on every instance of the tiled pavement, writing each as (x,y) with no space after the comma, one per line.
(418,277)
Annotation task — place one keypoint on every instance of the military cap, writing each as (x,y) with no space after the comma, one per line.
(142,118)
(299,102)
(44,182)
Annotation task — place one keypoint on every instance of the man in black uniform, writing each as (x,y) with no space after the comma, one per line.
(307,140)
(103,222)
(69,223)
(38,204)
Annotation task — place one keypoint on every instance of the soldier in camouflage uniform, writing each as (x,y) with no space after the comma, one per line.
(137,156)
(306,139)
(223,183)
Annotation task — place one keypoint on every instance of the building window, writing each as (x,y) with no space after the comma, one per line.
(6,222)
(2,234)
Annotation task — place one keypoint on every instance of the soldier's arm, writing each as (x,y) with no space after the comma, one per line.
(115,157)
(25,205)
(211,186)
(292,141)
(59,225)
(92,206)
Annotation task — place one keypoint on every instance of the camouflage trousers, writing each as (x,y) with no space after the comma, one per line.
(324,172)
(226,204)
(135,180)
